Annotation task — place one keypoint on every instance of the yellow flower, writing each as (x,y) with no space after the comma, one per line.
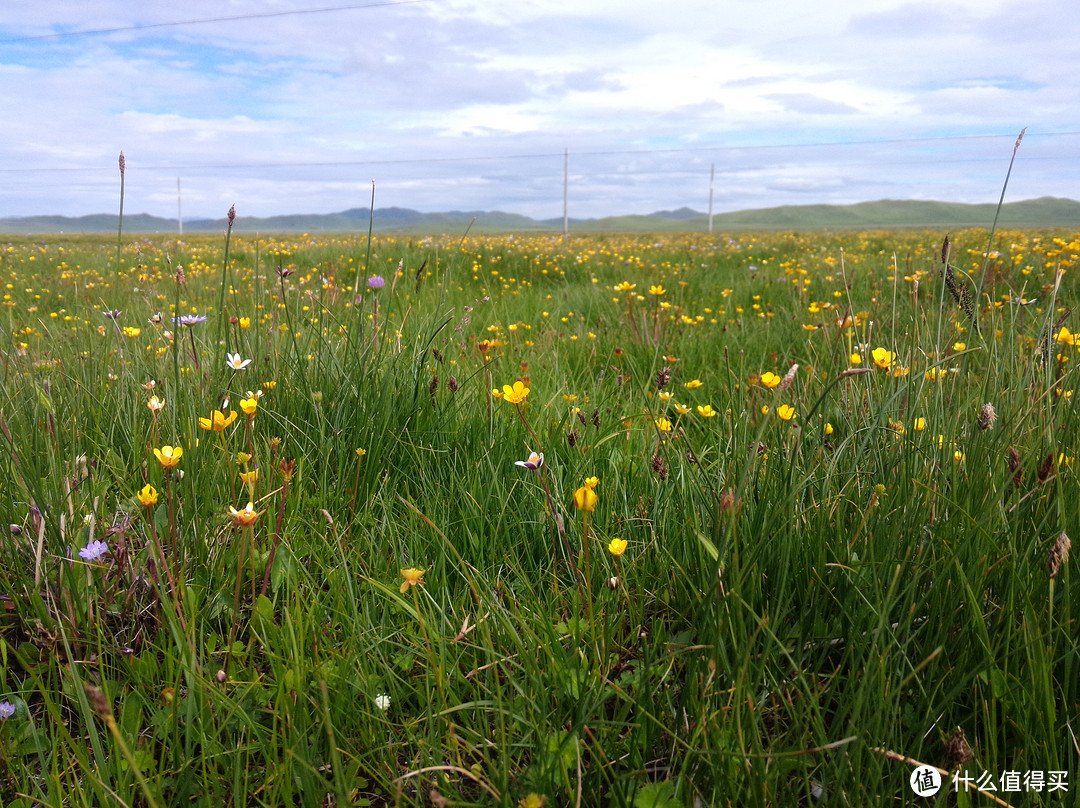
(516,393)
(585,499)
(706,410)
(148,496)
(918,425)
(245,516)
(168,456)
(665,395)
(245,322)
(663,424)
(592,482)
(855,358)
(785,412)
(217,421)
(361,452)
(243,458)
(617,547)
(1065,337)
(155,404)
(656,290)
(693,384)
(828,428)
(249,405)
(883,357)
(249,477)
(496,393)
(769,379)
(625,286)
(413,577)
(959,346)
(682,409)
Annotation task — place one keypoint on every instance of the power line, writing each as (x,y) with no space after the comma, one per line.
(236,18)
(550,155)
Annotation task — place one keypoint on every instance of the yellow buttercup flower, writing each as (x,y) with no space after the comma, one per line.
(168,456)
(148,496)
(249,477)
(413,577)
(663,424)
(657,290)
(769,379)
(249,405)
(585,499)
(217,421)
(883,357)
(693,384)
(706,411)
(515,393)
(617,547)
(682,409)
(592,482)
(785,412)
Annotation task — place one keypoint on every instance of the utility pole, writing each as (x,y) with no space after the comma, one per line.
(179,214)
(565,194)
(712,174)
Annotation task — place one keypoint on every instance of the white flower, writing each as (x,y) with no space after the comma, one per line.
(234,361)
(535,461)
(382,701)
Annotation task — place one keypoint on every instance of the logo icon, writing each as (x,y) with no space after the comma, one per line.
(926,781)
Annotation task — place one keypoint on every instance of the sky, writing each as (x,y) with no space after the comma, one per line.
(287,106)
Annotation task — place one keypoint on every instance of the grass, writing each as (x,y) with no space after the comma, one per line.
(804,607)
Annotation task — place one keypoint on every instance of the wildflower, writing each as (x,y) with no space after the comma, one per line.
(663,424)
(656,290)
(1065,337)
(665,395)
(535,461)
(592,482)
(249,405)
(883,357)
(880,489)
(376,282)
(617,547)
(682,409)
(785,412)
(168,456)
(959,346)
(112,314)
(413,577)
(131,331)
(828,428)
(243,458)
(625,286)
(245,322)
(361,452)
(217,422)
(918,425)
(7,709)
(93,551)
(706,410)
(382,701)
(693,384)
(585,499)
(249,477)
(769,379)
(855,358)
(515,394)
(155,404)
(245,516)
(234,361)
(189,320)
(148,496)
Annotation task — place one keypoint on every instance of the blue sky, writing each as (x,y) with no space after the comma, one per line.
(469,104)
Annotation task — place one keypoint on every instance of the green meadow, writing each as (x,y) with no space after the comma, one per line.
(277,533)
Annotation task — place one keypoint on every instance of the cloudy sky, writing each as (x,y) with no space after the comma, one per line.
(295,106)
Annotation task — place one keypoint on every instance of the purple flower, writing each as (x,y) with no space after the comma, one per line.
(112,314)
(189,319)
(93,551)
(7,709)
(376,282)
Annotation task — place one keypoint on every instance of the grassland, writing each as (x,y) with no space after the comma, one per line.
(803,513)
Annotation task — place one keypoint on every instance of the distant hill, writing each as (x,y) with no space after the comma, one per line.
(886,213)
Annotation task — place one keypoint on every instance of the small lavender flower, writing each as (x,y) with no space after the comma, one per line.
(93,551)
(7,709)
(189,319)
(112,314)
(376,282)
